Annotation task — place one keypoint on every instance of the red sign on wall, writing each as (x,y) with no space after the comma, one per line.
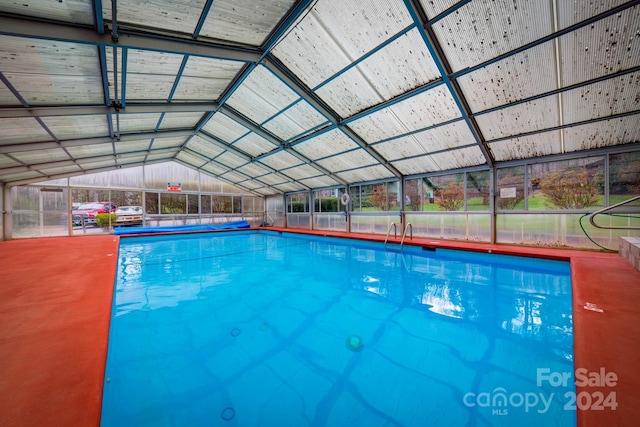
(174,186)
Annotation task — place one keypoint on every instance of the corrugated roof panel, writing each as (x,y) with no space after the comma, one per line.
(60,170)
(43,57)
(40,90)
(180,120)
(289,187)
(397,68)
(253,169)
(150,75)
(334,33)
(161,14)
(83,151)
(527,117)
(242,21)
(273,179)
(41,156)
(415,166)
(6,97)
(445,137)
(252,185)
(418,112)
(224,128)
(517,77)
(435,7)
(352,159)
(479,31)
(262,95)
(441,138)
(460,158)
(603,134)
(131,146)
(135,122)
(570,13)
(149,87)
(76,11)
(20,176)
(89,164)
(371,173)
(204,147)
(254,145)
(47,72)
(295,121)
(602,48)
(7,162)
(211,68)
(324,145)
(541,144)
(18,130)
(200,88)
(350,93)
(205,78)
(265,191)
(302,172)
(234,177)
(319,181)
(191,159)
(71,127)
(602,99)
(400,148)
(231,160)
(215,168)
(131,160)
(168,142)
(281,160)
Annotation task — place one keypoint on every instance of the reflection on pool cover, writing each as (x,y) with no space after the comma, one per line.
(260,329)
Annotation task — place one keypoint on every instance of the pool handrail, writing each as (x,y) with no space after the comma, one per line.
(395,233)
(613,227)
(409,226)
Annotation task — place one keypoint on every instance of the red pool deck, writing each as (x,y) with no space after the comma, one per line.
(55,304)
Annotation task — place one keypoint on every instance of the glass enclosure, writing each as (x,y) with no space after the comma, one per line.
(168,194)
(530,202)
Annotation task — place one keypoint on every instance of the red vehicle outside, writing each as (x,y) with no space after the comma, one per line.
(88,211)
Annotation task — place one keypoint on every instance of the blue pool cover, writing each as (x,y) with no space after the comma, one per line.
(182,228)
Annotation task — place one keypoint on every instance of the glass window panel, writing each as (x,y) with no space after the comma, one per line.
(237,204)
(192,206)
(151,203)
(205,204)
(393,196)
(448,192)
(413,194)
(478,190)
(570,184)
(624,176)
(510,188)
(298,202)
(126,198)
(327,200)
(222,204)
(172,203)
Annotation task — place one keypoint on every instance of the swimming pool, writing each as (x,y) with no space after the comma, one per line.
(260,328)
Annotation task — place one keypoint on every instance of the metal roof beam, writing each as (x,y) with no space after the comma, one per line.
(43,145)
(24,27)
(279,70)
(88,110)
(440,59)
